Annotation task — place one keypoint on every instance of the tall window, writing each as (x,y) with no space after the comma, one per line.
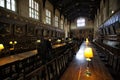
(56,21)
(81,22)
(61,24)
(33,9)
(2,3)
(48,16)
(8,4)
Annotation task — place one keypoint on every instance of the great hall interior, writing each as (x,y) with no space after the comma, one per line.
(59,39)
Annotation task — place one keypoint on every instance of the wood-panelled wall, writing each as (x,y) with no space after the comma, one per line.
(23,30)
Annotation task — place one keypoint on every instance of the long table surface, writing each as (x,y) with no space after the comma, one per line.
(58,45)
(16,57)
(20,56)
(77,68)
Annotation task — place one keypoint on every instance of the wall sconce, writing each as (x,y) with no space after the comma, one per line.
(69,39)
(58,40)
(112,11)
(50,40)
(88,53)
(38,41)
(13,43)
(1,47)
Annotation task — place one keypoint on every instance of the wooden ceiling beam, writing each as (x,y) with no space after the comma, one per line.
(75,8)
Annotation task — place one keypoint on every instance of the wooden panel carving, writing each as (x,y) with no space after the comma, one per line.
(112,29)
(117,28)
(19,30)
(30,30)
(107,30)
(5,29)
(45,32)
(39,32)
(50,33)
(53,33)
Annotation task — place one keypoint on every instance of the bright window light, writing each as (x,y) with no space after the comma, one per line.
(81,22)
(8,4)
(2,3)
(48,16)
(33,9)
(56,21)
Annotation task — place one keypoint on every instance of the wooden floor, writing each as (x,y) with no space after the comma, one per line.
(77,68)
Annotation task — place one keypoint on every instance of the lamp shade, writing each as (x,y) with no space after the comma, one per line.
(15,42)
(1,47)
(10,42)
(88,53)
(87,40)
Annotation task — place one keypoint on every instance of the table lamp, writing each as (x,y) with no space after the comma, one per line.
(1,47)
(87,41)
(13,43)
(88,53)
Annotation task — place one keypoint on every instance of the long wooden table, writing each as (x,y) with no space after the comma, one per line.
(20,56)
(16,57)
(77,69)
(58,45)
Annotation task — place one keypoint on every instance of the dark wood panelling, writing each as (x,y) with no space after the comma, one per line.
(5,29)
(28,65)
(111,28)
(19,30)
(23,30)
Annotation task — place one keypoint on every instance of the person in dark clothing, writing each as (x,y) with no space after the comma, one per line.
(44,50)
(48,44)
(41,51)
(48,48)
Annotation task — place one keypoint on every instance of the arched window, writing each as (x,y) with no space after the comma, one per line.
(81,22)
